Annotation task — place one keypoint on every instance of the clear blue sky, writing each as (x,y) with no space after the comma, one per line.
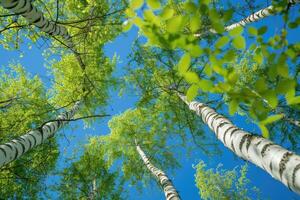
(182,178)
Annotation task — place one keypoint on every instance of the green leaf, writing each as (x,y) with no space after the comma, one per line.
(271,97)
(175,24)
(264,131)
(195,23)
(190,7)
(239,42)
(167,13)
(236,31)
(262,30)
(294,100)
(136,4)
(191,77)
(222,41)
(192,92)
(233,106)
(205,85)
(258,57)
(154,4)
(184,64)
(272,118)
(252,31)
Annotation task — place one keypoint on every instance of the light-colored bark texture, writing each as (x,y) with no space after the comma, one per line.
(265,12)
(162,178)
(36,18)
(280,163)
(17,147)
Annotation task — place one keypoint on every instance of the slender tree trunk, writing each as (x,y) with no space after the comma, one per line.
(164,181)
(265,12)
(280,163)
(36,18)
(94,190)
(14,149)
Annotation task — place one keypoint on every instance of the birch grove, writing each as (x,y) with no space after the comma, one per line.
(280,163)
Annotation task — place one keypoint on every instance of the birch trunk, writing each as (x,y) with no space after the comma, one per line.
(265,12)
(36,18)
(17,147)
(169,190)
(280,163)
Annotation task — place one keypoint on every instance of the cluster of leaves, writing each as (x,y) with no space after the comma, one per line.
(89,177)
(166,28)
(90,85)
(150,131)
(224,184)
(24,106)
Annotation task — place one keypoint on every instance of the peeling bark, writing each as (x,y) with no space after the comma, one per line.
(280,163)
(17,147)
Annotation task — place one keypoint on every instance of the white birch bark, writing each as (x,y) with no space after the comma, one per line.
(265,12)
(17,147)
(36,18)
(280,163)
(169,190)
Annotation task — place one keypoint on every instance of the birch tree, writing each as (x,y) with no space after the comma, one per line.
(24,106)
(280,163)
(134,125)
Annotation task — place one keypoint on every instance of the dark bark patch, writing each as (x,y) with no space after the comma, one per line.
(285,158)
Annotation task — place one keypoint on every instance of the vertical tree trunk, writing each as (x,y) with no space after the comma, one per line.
(265,12)
(93,193)
(164,181)
(280,163)
(17,147)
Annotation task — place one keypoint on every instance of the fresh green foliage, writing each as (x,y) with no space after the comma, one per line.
(89,177)
(150,131)
(24,106)
(168,29)
(224,184)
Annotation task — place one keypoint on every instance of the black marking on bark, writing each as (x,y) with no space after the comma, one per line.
(21,143)
(294,174)
(264,149)
(33,139)
(4,152)
(13,4)
(219,126)
(208,116)
(8,145)
(226,131)
(232,146)
(249,140)
(285,158)
(16,149)
(243,141)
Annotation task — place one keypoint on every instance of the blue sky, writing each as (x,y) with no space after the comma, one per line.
(183,178)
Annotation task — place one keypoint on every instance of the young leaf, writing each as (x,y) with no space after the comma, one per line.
(191,77)
(184,64)
(154,4)
(239,42)
(136,4)
(192,92)
(236,31)
(222,41)
(264,131)
(271,119)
